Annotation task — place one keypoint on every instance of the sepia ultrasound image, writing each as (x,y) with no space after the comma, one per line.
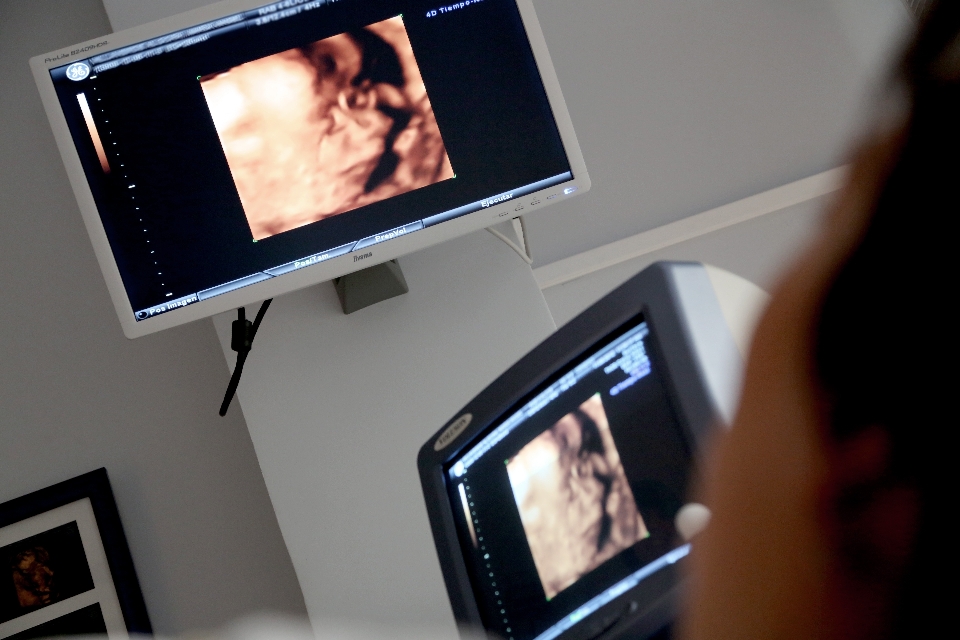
(575,503)
(42,570)
(319,130)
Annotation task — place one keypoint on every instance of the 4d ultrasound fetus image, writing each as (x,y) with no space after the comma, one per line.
(42,570)
(322,129)
(33,579)
(575,502)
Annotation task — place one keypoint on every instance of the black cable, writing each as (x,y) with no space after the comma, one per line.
(242,341)
(259,318)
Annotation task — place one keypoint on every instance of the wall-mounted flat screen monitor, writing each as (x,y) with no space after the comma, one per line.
(553,494)
(244,150)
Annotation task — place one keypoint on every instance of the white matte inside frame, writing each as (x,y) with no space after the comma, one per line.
(103,593)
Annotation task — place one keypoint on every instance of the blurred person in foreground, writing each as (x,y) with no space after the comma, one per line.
(831,495)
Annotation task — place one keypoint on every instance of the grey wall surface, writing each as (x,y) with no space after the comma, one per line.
(758,250)
(76,395)
(876,30)
(124,14)
(680,107)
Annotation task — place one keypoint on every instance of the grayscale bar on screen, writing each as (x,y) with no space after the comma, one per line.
(388,235)
(618,589)
(497,199)
(236,284)
(468,516)
(311,260)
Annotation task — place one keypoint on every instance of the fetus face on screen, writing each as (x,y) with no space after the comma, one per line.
(319,130)
(575,503)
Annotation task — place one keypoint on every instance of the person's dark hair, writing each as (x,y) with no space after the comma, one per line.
(885,350)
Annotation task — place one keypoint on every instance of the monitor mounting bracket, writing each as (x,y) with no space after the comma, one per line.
(369,286)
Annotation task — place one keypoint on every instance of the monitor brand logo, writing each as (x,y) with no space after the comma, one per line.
(363,256)
(67,54)
(450,433)
(78,71)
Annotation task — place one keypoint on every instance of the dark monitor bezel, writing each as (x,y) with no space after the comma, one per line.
(653,293)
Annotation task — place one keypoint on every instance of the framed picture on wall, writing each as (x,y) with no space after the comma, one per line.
(65,568)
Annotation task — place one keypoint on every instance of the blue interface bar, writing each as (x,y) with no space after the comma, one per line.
(357,245)
(630,361)
(311,260)
(618,589)
(202,33)
(500,198)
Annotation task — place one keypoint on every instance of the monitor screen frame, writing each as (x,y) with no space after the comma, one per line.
(661,294)
(577,184)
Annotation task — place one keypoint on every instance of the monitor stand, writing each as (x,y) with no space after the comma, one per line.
(363,288)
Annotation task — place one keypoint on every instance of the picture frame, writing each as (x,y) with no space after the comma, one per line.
(65,567)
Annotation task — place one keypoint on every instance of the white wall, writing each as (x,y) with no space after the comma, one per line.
(757,250)
(75,395)
(740,98)
(681,106)
(876,31)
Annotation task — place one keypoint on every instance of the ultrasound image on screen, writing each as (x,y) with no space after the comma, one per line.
(322,129)
(575,502)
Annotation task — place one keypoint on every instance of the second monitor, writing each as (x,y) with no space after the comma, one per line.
(553,495)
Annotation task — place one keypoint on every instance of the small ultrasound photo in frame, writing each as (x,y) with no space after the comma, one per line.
(42,570)
(65,569)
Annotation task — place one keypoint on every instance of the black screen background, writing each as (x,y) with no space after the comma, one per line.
(482,81)
(656,459)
